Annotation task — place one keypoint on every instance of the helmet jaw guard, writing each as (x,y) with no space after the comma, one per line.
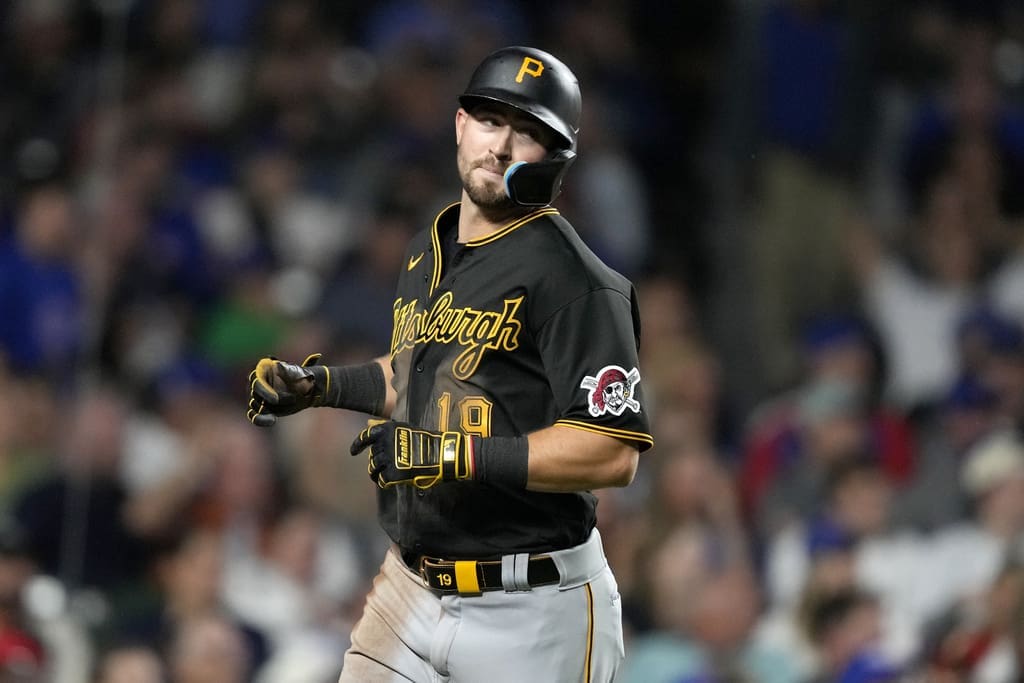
(541,86)
(539,183)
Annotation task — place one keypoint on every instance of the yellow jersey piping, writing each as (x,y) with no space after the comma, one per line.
(519,222)
(608,431)
(497,234)
(590,633)
(436,242)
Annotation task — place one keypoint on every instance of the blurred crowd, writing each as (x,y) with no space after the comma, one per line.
(820,202)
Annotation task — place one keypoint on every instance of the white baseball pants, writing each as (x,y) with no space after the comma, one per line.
(560,633)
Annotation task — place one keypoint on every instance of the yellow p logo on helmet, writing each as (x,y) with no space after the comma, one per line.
(529,67)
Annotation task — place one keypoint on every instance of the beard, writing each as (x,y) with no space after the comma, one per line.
(490,197)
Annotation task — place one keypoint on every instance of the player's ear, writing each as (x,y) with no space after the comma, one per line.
(461,116)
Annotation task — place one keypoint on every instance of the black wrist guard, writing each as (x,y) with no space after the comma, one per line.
(353,387)
(501,460)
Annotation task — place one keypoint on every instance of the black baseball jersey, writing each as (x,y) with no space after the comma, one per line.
(519,330)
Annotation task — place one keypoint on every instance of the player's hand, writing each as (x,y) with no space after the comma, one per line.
(401,454)
(277,388)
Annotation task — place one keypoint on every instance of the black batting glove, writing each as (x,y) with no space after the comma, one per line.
(401,454)
(277,388)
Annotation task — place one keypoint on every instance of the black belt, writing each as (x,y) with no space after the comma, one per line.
(470,577)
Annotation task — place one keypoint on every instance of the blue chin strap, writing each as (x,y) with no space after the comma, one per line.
(538,183)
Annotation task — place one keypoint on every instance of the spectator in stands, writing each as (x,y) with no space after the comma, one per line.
(844,371)
(972,553)
(859,547)
(916,293)
(42,314)
(74,518)
(793,588)
(991,345)
(845,628)
(935,497)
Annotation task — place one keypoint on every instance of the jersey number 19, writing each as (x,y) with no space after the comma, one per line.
(474,414)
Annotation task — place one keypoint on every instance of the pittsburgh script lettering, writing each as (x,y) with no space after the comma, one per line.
(477,331)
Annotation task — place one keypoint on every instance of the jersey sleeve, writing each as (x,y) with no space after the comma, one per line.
(589,350)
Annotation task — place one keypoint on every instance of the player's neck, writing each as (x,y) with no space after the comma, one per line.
(476,223)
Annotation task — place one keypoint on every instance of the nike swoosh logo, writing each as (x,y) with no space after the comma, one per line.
(414,261)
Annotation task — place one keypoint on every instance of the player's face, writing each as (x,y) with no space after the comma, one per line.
(490,139)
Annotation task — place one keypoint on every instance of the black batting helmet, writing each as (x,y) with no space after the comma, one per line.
(532,81)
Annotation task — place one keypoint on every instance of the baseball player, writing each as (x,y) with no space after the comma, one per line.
(511,390)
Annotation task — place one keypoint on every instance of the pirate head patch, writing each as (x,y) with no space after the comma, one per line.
(611,390)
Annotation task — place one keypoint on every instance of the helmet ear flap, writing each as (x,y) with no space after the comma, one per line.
(540,182)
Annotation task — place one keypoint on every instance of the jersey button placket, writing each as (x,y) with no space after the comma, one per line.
(456,261)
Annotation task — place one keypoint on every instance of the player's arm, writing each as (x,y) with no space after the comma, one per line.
(567,459)
(390,395)
(553,459)
(278,388)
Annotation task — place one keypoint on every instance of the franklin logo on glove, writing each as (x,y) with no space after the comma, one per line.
(403,456)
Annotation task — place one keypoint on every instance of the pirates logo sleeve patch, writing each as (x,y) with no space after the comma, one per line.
(611,390)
